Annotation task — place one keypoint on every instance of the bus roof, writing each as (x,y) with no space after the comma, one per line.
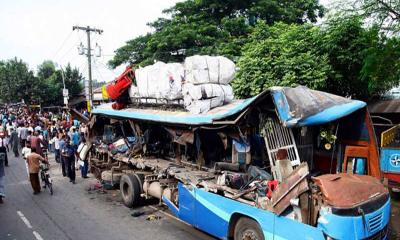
(295,107)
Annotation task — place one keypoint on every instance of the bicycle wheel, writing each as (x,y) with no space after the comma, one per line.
(50,187)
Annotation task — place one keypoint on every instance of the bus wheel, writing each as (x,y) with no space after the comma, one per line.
(130,190)
(395,193)
(247,229)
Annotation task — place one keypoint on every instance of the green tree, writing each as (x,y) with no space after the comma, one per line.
(73,80)
(16,81)
(281,55)
(211,27)
(364,62)
(51,82)
(384,14)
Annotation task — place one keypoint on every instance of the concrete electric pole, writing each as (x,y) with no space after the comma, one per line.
(89,56)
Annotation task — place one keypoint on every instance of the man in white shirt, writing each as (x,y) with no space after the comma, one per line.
(26,150)
(56,141)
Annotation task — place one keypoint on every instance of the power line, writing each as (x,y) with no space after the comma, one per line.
(98,71)
(66,53)
(62,44)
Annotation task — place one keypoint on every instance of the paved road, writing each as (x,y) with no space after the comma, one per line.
(74,213)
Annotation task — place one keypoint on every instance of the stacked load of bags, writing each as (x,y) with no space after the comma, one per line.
(159,81)
(207,83)
(201,81)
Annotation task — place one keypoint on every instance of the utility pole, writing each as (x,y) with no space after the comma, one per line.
(89,56)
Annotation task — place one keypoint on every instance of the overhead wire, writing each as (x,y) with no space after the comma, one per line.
(62,44)
(98,71)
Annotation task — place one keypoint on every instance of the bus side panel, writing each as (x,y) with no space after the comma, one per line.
(186,210)
(286,228)
(213,213)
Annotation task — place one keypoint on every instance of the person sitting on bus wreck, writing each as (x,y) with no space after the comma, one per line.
(34,160)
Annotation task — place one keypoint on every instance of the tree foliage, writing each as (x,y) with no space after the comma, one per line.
(211,27)
(341,57)
(360,57)
(18,83)
(281,55)
(384,14)
(355,53)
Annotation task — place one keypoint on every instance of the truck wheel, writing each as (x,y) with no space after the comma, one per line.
(247,229)
(130,190)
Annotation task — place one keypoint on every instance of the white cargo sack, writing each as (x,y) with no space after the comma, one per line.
(160,81)
(203,106)
(207,69)
(206,91)
(202,98)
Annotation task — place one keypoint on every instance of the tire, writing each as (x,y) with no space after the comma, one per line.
(247,229)
(130,190)
(50,188)
(394,194)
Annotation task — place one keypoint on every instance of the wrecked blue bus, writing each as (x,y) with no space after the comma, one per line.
(290,163)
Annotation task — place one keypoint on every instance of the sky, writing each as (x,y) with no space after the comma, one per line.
(38,30)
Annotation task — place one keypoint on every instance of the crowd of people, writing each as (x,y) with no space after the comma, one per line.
(30,135)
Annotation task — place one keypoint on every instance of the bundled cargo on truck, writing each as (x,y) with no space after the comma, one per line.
(199,84)
(201,98)
(160,81)
(209,69)
(207,81)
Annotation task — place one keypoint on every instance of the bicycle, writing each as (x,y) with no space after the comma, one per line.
(45,176)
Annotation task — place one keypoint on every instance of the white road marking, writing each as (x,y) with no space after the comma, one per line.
(37,235)
(24,219)
(28,224)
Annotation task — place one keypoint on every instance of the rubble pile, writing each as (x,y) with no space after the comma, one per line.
(199,84)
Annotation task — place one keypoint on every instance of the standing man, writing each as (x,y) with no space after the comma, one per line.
(75,138)
(3,147)
(36,143)
(34,160)
(56,142)
(25,153)
(23,134)
(68,153)
(3,157)
(62,145)
(14,142)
